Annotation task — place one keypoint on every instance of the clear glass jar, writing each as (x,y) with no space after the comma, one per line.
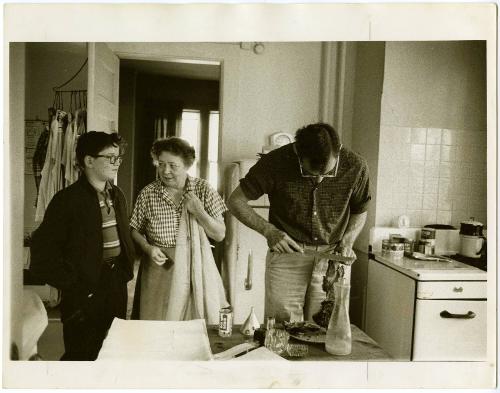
(338,335)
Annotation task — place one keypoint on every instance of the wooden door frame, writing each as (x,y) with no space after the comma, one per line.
(189,60)
(14,201)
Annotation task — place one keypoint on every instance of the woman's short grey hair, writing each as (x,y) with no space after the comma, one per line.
(177,146)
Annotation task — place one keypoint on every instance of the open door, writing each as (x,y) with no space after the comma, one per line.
(103,86)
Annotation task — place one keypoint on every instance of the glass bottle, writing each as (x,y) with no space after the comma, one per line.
(338,335)
(270,328)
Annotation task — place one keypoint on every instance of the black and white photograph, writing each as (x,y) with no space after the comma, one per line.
(250,196)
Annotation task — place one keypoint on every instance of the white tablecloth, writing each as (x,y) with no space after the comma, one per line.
(156,340)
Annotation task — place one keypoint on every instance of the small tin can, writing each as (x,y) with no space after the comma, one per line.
(428,233)
(421,246)
(396,250)
(409,245)
(225,321)
(386,246)
(429,246)
(394,236)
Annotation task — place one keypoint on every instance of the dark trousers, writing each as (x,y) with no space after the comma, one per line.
(85,333)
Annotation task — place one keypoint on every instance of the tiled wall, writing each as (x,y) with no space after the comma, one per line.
(432,175)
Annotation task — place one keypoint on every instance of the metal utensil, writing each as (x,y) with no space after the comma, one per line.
(332,257)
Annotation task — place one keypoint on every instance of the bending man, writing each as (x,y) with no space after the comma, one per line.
(318,193)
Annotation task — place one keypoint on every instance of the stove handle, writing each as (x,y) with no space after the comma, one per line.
(446,314)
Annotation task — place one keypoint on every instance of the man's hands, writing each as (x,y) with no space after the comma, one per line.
(346,251)
(279,241)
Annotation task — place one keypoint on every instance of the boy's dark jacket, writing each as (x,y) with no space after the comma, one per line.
(67,248)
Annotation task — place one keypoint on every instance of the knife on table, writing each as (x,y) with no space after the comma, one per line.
(236,351)
(331,257)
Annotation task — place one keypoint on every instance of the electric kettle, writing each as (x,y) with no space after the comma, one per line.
(472,241)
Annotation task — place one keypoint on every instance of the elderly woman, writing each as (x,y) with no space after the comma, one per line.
(171,220)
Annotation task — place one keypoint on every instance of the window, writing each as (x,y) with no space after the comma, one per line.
(213,148)
(190,131)
(201,129)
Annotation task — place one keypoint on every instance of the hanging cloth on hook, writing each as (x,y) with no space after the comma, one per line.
(52,180)
(58,100)
(71,168)
(67,148)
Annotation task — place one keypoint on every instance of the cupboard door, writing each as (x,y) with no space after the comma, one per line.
(451,290)
(389,309)
(103,87)
(447,330)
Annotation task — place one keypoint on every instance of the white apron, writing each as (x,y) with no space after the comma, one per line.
(189,288)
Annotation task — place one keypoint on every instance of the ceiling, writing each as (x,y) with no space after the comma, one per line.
(188,70)
(180,69)
(79,48)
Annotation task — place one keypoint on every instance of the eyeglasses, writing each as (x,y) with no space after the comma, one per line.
(112,159)
(329,174)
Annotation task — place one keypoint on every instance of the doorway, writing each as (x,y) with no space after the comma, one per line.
(168,98)
(159,99)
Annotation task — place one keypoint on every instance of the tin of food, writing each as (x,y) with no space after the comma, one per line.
(396,250)
(226,322)
(428,233)
(386,246)
(409,247)
(429,246)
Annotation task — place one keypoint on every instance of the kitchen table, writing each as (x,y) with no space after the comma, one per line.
(363,347)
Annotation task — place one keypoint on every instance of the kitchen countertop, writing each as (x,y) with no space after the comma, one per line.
(363,347)
(433,270)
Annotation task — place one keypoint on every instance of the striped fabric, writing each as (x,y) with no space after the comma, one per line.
(157,217)
(111,241)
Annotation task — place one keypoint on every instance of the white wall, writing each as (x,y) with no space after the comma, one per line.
(435,84)
(261,94)
(432,162)
(49,65)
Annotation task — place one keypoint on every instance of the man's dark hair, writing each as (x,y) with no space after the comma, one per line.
(176,146)
(317,142)
(93,142)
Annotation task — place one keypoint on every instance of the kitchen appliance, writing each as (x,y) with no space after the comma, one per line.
(425,310)
(472,241)
(447,239)
(243,266)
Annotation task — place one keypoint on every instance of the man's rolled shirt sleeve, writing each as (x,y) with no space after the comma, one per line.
(361,195)
(258,181)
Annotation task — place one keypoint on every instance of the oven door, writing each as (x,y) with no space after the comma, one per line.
(447,330)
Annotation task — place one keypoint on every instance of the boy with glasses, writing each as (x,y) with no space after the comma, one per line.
(319,193)
(83,247)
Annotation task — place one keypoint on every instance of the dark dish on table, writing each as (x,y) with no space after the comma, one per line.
(306,331)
